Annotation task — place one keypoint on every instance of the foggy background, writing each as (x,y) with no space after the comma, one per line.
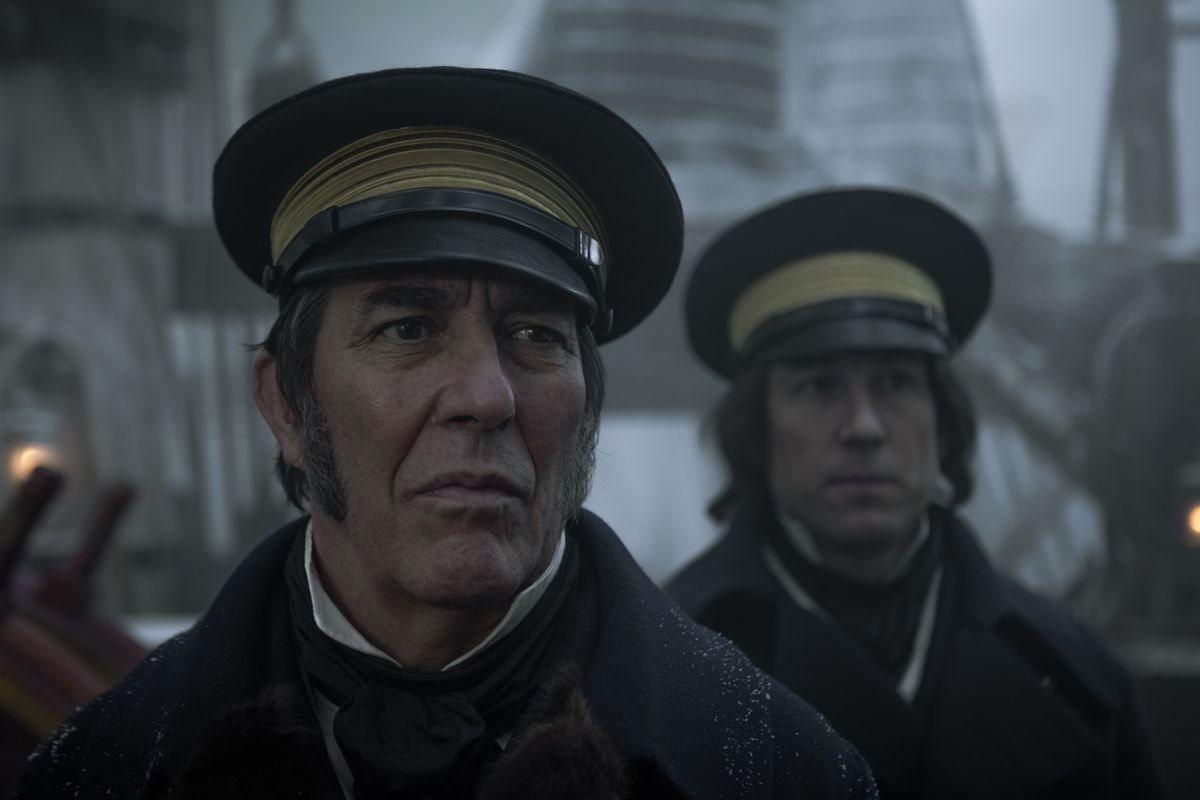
(1066,130)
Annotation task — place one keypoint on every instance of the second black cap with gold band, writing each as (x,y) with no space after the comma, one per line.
(838,270)
(432,166)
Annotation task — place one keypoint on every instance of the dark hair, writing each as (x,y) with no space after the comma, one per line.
(958,430)
(292,341)
(740,425)
(589,429)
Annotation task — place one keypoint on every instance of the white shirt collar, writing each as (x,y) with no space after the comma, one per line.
(333,623)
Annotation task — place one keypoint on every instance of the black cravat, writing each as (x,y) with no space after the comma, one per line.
(881,617)
(408,733)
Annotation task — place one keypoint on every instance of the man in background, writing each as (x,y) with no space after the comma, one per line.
(847,571)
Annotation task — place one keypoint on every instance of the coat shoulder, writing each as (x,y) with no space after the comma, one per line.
(754,717)
(1043,630)
(128,739)
(118,740)
(688,699)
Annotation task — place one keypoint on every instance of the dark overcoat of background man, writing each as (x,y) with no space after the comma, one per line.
(448,247)
(846,572)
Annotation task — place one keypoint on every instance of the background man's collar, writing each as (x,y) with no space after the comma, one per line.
(801,538)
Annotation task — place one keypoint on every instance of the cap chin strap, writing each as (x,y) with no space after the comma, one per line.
(580,250)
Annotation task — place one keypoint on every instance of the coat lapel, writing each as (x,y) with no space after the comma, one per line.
(986,721)
(992,717)
(994,712)
(825,668)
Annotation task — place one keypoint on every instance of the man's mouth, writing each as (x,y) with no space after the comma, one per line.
(866,480)
(472,486)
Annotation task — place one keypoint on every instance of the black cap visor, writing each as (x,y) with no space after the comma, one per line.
(850,335)
(847,325)
(426,241)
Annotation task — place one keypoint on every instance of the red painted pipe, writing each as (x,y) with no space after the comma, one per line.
(54,663)
(68,588)
(21,515)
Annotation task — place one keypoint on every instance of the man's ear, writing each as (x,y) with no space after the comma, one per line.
(277,411)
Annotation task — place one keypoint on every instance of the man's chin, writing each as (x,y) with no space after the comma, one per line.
(865,536)
(472,579)
(465,600)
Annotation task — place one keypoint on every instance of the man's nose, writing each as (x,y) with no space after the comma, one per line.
(863,424)
(477,391)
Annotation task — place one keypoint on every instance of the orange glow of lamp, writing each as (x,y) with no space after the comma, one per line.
(1193,525)
(28,457)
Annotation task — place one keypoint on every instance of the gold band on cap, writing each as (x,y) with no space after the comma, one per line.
(425,158)
(830,276)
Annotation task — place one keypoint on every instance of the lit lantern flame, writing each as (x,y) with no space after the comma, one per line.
(1193,531)
(26,459)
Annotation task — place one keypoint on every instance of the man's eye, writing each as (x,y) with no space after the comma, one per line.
(808,385)
(899,380)
(407,329)
(538,334)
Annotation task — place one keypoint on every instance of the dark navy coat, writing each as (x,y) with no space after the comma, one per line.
(1017,699)
(666,691)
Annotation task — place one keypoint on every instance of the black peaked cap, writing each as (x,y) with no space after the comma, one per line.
(901,225)
(609,162)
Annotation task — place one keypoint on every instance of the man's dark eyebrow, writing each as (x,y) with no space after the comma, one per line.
(404,295)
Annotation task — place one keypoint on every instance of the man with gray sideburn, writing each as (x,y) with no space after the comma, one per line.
(449,247)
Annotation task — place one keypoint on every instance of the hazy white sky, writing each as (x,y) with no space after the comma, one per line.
(1049,64)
